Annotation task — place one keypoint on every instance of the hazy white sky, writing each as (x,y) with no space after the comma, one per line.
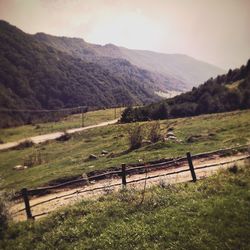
(216,31)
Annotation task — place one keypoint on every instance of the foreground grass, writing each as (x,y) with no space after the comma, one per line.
(70,158)
(210,214)
(72,121)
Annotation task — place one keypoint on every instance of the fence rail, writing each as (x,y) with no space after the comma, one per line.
(123,172)
(129,169)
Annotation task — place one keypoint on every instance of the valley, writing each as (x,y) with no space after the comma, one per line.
(124,125)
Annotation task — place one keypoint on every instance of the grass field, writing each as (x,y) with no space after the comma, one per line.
(70,158)
(72,121)
(209,214)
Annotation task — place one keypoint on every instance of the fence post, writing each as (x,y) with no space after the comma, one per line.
(191,166)
(124,182)
(24,192)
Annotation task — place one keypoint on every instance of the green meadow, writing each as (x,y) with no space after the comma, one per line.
(64,159)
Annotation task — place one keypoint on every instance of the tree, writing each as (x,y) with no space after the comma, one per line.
(127,115)
(160,112)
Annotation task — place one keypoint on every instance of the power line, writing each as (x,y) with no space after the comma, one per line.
(52,110)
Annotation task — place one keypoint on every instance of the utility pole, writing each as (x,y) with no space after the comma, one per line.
(82,117)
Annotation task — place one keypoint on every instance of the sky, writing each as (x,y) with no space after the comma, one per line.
(214,31)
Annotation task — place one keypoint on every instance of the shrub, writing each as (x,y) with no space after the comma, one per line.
(135,137)
(24,144)
(34,159)
(234,169)
(155,132)
(65,137)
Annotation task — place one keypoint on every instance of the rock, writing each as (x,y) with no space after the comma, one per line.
(93,157)
(170,133)
(104,152)
(20,167)
(172,137)
(145,142)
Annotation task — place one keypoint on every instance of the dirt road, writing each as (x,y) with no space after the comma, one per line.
(76,194)
(53,136)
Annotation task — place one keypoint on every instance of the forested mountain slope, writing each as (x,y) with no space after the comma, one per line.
(226,92)
(181,67)
(34,75)
(116,63)
(172,71)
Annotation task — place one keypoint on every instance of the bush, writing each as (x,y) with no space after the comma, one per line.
(65,137)
(135,137)
(155,132)
(127,115)
(24,144)
(34,159)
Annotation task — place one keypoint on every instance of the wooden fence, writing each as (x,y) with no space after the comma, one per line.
(123,172)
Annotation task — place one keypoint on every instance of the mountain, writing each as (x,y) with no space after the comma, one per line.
(226,92)
(34,75)
(183,68)
(174,71)
(114,62)
(48,72)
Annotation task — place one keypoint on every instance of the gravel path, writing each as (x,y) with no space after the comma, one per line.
(52,136)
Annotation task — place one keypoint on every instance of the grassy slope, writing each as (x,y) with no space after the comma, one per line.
(210,214)
(64,159)
(72,121)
